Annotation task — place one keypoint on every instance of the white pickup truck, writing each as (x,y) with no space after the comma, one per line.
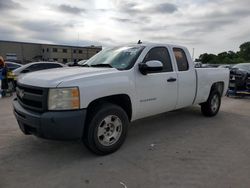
(96,102)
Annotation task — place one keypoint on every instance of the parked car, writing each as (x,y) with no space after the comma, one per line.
(81,63)
(37,66)
(229,66)
(210,65)
(197,64)
(71,64)
(75,64)
(95,103)
(12,66)
(240,79)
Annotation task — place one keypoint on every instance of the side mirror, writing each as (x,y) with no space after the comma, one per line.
(150,67)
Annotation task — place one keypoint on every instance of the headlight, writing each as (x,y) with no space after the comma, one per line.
(64,99)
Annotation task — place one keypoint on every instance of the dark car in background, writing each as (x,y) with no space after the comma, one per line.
(74,64)
(11,79)
(12,66)
(71,64)
(240,79)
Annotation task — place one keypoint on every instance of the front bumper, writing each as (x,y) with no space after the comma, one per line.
(61,125)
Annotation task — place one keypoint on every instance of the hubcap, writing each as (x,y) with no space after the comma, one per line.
(215,103)
(109,130)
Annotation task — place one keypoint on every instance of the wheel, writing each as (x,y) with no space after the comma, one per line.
(106,129)
(212,105)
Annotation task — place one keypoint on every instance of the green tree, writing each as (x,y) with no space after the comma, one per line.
(232,54)
(229,57)
(207,58)
(245,51)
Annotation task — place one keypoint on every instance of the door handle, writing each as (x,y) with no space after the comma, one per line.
(171,79)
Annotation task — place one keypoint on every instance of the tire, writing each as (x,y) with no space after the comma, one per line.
(212,106)
(106,129)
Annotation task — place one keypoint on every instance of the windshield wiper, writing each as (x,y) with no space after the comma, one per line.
(102,65)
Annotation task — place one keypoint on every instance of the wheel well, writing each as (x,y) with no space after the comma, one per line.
(219,86)
(121,100)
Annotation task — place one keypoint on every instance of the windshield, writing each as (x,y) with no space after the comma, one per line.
(244,66)
(121,58)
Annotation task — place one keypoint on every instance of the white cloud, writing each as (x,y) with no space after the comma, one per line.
(208,26)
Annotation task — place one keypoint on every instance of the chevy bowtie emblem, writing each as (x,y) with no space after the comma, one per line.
(21,93)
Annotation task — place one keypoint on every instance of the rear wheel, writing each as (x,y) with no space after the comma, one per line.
(212,105)
(106,129)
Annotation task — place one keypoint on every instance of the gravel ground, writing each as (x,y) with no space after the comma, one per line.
(176,149)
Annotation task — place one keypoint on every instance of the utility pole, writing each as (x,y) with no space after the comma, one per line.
(22,55)
(77,50)
(78,39)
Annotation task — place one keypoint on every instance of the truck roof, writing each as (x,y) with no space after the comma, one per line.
(150,44)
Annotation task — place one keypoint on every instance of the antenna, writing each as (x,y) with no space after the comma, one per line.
(139,42)
(78,39)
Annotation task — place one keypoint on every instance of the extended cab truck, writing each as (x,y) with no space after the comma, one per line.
(96,102)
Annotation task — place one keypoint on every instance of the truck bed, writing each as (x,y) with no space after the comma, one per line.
(205,78)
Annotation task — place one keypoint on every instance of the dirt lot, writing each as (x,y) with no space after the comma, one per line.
(175,149)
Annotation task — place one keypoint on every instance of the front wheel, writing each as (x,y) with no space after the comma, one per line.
(212,105)
(106,129)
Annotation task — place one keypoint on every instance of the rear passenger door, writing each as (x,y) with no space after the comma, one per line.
(186,78)
(157,92)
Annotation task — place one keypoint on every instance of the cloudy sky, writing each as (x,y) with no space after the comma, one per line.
(207,25)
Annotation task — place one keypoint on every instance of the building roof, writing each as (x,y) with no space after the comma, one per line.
(61,45)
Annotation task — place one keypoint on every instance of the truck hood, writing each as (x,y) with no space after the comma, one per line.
(53,77)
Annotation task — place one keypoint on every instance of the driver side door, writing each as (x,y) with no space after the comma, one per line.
(157,92)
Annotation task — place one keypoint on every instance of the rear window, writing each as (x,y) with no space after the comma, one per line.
(181,59)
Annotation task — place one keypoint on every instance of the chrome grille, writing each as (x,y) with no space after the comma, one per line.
(33,98)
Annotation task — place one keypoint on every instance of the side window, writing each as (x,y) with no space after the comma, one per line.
(53,65)
(32,67)
(181,59)
(35,67)
(160,54)
(25,70)
(46,66)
